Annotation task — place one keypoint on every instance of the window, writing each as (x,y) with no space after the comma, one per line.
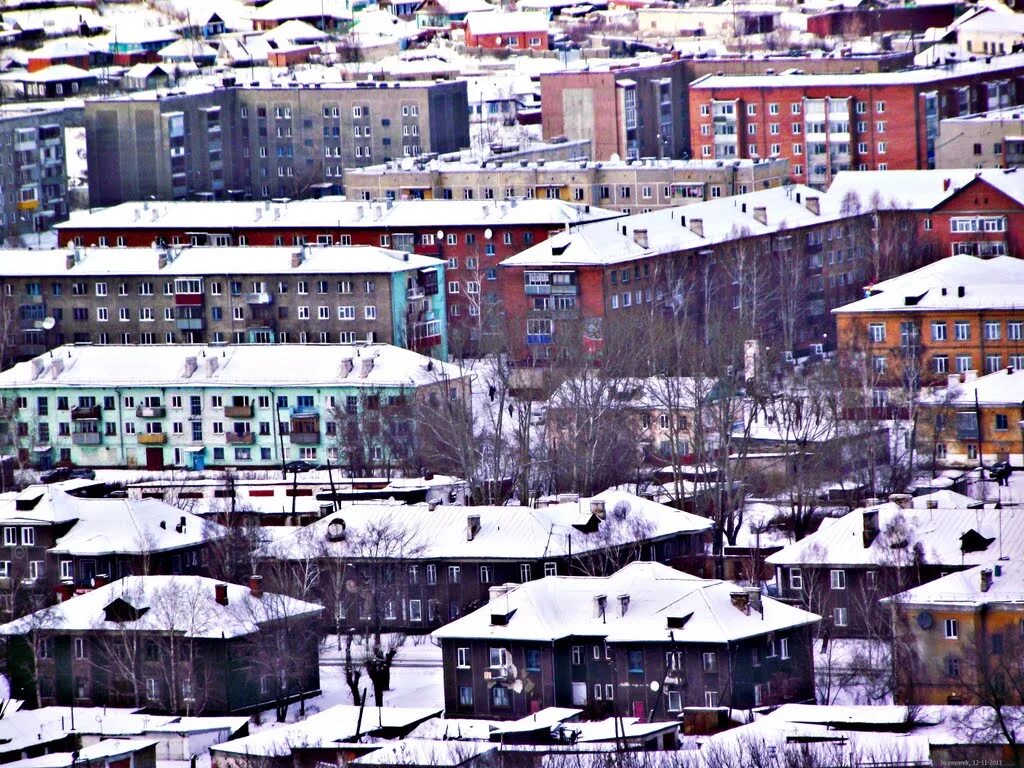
(953,666)
(952,629)
(838,579)
(533,660)
(993,330)
(938,331)
(28,536)
(498,657)
(454,574)
(709,660)
(415,610)
(524,572)
(962,330)
(1002,422)
(465,696)
(550,569)
(796,580)
(431,574)
(35,570)
(577,655)
(79,647)
(876,332)
(840,617)
(501,698)
(462,655)
(635,662)
(10,537)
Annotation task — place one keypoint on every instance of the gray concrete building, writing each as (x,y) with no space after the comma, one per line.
(993,139)
(237,141)
(630,186)
(33,171)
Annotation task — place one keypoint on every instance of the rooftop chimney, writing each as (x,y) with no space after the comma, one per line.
(901,500)
(256,586)
(220,592)
(346,367)
(754,598)
(191,364)
(296,259)
(623,604)
(56,367)
(640,237)
(814,205)
(597,508)
(761,214)
(870,526)
(741,601)
(986,579)
(601,604)
(365,367)
(472,526)
(697,227)
(211,366)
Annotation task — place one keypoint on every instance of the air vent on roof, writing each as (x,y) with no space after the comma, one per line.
(26,504)
(678,622)
(502,619)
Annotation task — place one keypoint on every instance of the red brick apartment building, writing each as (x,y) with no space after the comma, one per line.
(472,236)
(824,124)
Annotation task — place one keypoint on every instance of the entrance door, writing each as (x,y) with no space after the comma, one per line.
(638,711)
(579,694)
(154,458)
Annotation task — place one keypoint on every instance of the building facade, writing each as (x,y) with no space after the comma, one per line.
(472,236)
(599,643)
(197,406)
(33,171)
(263,142)
(824,124)
(984,140)
(192,295)
(630,186)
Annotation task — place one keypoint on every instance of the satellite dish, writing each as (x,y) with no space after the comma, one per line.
(48,323)
(615,157)
(407,163)
(517,685)
(497,40)
(925,620)
(655,686)
(440,234)
(488,234)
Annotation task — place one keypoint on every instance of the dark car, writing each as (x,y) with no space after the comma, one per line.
(299,466)
(57,475)
(1000,471)
(82,474)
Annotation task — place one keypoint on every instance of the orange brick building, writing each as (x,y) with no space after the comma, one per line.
(954,315)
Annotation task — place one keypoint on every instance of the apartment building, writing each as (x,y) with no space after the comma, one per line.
(220,660)
(639,109)
(56,545)
(472,236)
(599,643)
(958,314)
(441,572)
(629,186)
(959,632)
(219,406)
(983,140)
(976,420)
(196,294)
(579,286)
(843,569)
(824,124)
(263,141)
(33,171)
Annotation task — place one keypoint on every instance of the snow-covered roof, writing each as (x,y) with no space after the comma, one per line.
(922,189)
(56,73)
(670,230)
(425,752)
(106,526)
(654,392)
(499,23)
(101,751)
(991,18)
(700,610)
(187,49)
(933,536)
(902,77)
(27,728)
(66,46)
(329,214)
(295,31)
(1004,387)
(498,88)
(333,726)
(504,533)
(964,588)
(185,604)
(955,283)
(462,7)
(196,261)
(241,365)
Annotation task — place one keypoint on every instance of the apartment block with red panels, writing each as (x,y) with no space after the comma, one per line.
(472,236)
(825,124)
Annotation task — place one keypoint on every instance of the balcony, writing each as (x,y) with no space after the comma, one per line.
(305,412)
(259,298)
(188,299)
(86,438)
(189,323)
(150,411)
(85,413)
(238,411)
(304,438)
(243,438)
(153,438)
(539,338)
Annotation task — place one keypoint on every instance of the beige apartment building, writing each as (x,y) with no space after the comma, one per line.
(630,186)
(993,139)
